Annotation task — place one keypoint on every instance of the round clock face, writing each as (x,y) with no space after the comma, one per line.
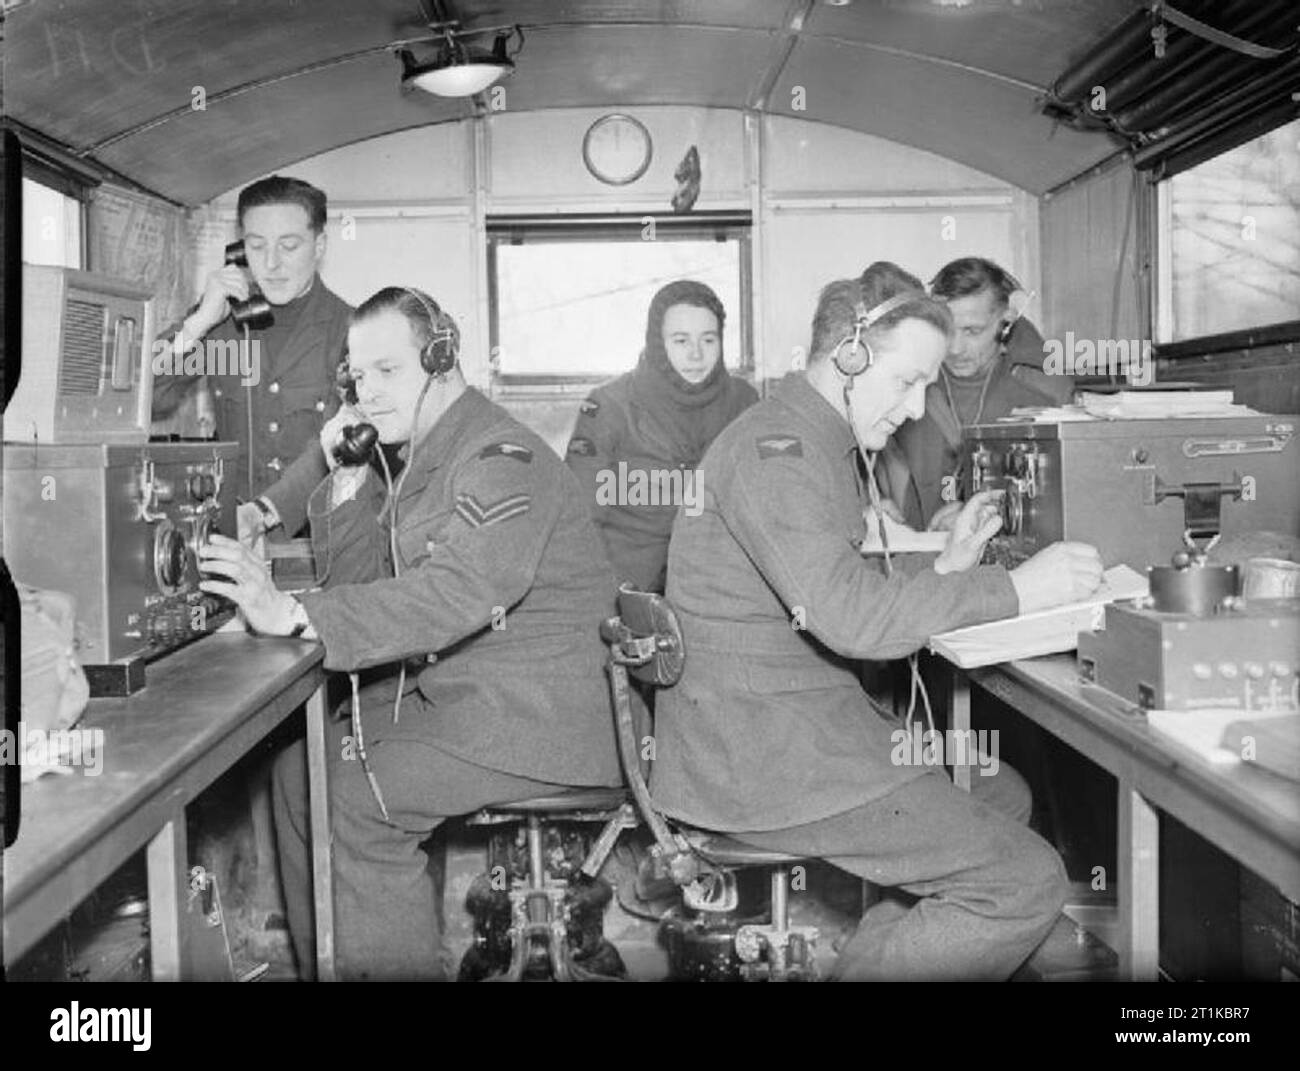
(617,149)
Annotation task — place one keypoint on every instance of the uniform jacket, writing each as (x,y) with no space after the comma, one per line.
(769,726)
(293,398)
(490,530)
(931,447)
(619,423)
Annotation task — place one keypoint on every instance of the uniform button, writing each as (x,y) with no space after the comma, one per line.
(217,392)
(320,407)
(273,427)
(274,388)
(275,463)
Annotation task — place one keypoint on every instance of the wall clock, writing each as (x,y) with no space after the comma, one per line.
(617,149)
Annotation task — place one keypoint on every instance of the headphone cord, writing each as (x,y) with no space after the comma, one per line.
(873,495)
(390,507)
(395,493)
(956,415)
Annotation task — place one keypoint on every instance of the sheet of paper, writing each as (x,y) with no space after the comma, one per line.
(1202,731)
(902,540)
(1040,632)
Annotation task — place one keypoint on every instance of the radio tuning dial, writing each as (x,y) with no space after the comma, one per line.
(169,558)
(202,486)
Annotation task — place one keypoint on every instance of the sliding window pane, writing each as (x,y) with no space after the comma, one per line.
(1235,238)
(579,307)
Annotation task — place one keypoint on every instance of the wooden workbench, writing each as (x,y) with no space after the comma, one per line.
(204,707)
(1248,813)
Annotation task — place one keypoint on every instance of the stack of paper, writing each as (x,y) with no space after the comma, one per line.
(1041,632)
(1161,404)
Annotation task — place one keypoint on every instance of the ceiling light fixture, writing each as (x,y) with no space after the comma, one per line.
(458,71)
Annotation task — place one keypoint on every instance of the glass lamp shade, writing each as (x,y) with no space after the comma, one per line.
(458,79)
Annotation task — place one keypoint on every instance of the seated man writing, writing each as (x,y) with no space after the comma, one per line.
(483,554)
(769,735)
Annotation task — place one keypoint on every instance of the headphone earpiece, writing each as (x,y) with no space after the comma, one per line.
(438,355)
(859,357)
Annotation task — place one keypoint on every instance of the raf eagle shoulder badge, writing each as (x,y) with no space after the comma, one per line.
(519,453)
(779,446)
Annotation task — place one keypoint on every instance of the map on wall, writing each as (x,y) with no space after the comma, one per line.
(141,241)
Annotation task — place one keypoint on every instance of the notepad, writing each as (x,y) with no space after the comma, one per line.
(1041,632)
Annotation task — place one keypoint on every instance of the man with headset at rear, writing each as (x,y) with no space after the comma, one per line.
(483,554)
(994,364)
(769,736)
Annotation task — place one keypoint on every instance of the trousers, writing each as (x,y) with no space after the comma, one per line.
(385,914)
(990,889)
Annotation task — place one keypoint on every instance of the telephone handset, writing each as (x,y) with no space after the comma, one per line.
(359,440)
(255,313)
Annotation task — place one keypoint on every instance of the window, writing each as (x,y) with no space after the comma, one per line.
(569,298)
(1230,240)
(51,226)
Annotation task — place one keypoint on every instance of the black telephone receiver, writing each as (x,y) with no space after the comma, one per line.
(359,440)
(255,313)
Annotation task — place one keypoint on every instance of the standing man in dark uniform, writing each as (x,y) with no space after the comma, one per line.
(483,555)
(282,221)
(769,735)
(994,364)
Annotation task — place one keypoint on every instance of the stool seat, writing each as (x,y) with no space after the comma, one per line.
(578,799)
(726,851)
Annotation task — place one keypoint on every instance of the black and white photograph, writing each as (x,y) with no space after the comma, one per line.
(586,491)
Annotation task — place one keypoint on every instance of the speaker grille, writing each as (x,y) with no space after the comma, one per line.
(83,347)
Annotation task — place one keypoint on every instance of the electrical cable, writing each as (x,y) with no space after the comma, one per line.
(874,497)
(248,408)
(390,508)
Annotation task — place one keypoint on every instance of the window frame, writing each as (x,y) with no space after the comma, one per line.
(613,227)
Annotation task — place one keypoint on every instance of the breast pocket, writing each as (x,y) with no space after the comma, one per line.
(301,412)
(419,538)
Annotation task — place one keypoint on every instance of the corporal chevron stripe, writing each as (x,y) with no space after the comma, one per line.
(470,510)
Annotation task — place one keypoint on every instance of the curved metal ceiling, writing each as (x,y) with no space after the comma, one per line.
(283,80)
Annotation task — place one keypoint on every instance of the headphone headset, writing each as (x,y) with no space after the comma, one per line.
(860,357)
(438,355)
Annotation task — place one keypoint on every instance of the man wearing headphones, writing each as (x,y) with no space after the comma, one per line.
(994,364)
(465,600)
(769,735)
